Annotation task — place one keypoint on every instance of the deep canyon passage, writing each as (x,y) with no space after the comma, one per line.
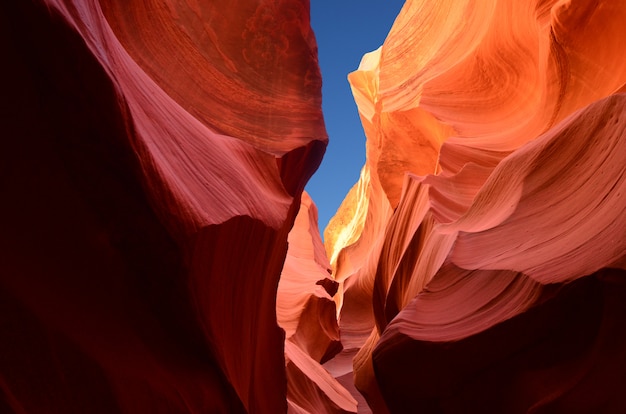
(158,252)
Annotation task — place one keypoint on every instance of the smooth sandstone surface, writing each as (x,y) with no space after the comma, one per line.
(159,253)
(482,252)
(155,157)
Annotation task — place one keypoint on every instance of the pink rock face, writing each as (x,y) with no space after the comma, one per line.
(307,313)
(159,253)
(154,160)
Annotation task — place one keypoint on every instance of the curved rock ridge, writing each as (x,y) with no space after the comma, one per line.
(159,253)
(307,312)
(306,270)
(480,257)
(155,158)
(223,62)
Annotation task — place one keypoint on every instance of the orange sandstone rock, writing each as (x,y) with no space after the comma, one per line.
(496,140)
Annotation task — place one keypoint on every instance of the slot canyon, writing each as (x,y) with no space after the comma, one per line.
(159,252)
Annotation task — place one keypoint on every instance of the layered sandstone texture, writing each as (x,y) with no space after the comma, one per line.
(153,160)
(481,257)
(159,255)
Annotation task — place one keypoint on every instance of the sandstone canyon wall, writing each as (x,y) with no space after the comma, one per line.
(155,154)
(481,255)
(159,254)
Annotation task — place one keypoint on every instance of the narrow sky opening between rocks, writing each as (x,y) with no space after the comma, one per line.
(345,31)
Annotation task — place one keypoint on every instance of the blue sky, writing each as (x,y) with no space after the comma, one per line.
(345,31)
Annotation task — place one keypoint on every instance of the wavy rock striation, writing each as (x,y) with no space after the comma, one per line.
(481,256)
(155,156)
(159,253)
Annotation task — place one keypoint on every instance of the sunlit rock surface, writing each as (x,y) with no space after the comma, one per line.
(153,161)
(159,254)
(481,256)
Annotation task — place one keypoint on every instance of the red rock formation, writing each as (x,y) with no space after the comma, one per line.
(159,254)
(307,313)
(484,247)
(154,159)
